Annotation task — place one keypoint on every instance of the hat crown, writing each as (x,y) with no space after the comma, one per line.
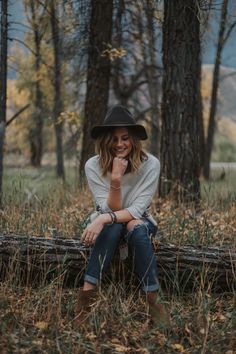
(119,115)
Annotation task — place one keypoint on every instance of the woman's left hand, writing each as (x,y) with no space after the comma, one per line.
(92,231)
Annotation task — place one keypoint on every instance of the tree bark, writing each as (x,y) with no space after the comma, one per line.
(36,132)
(119,83)
(98,76)
(58,106)
(152,79)
(215,85)
(180,148)
(3,85)
(180,267)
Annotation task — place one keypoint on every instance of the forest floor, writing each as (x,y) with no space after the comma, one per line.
(40,319)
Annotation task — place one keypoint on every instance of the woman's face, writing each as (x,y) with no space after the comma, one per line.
(122,145)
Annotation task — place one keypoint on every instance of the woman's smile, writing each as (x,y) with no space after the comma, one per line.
(122,145)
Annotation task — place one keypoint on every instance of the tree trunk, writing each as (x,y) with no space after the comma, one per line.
(180,150)
(3,85)
(119,84)
(151,74)
(201,134)
(98,76)
(58,106)
(35,134)
(215,85)
(180,267)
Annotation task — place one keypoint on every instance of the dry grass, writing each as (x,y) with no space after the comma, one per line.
(40,319)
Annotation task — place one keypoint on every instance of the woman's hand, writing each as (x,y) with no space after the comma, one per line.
(93,230)
(118,168)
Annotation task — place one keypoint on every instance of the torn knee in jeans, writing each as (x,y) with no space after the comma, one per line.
(137,231)
(132,224)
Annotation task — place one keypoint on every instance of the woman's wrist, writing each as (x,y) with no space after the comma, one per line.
(115,184)
(115,187)
(106,218)
(116,180)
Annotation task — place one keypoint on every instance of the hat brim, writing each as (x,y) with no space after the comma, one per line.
(138,130)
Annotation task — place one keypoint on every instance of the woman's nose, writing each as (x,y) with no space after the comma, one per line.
(119,142)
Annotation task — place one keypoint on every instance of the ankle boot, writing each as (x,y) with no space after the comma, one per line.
(86,298)
(159,312)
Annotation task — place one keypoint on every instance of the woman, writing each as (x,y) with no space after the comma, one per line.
(123,180)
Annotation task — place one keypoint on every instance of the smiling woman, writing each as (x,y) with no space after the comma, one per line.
(121,143)
(123,180)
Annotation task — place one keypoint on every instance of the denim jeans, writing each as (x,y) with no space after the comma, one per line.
(140,248)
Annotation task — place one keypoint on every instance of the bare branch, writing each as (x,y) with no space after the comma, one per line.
(17,114)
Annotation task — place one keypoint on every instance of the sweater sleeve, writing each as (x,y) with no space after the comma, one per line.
(97,184)
(145,190)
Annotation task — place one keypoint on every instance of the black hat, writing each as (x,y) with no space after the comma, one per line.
(119,116)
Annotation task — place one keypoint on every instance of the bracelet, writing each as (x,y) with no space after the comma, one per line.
(112,219)
(113,216)
(116,188)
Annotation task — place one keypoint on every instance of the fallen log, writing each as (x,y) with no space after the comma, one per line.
(180,267)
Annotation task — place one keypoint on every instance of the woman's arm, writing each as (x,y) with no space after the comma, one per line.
(114,199)
(114,202)
(93,230)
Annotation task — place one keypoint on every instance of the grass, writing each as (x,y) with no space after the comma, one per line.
(220,193)
(31,322)
(40,319)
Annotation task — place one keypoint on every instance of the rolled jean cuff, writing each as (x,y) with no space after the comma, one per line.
(91,279)
(148,288)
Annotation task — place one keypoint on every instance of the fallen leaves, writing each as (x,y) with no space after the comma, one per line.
(41,325)
(185,226)
(178,347)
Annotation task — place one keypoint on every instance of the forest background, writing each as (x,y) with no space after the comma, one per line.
(74,60)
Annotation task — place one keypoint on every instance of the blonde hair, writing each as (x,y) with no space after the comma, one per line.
(104,144)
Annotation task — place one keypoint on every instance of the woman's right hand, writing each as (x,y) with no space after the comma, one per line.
(93,230)
(118,168)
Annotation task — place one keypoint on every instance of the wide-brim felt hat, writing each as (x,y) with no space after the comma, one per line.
(119,116)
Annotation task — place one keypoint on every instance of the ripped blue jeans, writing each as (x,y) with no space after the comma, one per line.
(140,249)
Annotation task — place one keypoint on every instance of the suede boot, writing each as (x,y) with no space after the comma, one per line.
(86,298)
(158,311)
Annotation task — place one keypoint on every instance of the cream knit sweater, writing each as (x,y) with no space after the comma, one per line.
(137,188)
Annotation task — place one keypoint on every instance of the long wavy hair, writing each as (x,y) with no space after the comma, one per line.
(104,148)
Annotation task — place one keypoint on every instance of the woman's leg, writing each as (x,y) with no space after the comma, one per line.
(143,255)
(144,259)
(102,254)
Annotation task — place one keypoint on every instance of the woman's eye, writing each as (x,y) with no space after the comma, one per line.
(126,138)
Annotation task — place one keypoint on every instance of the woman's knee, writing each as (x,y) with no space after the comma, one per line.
(114,229)
(132,223)
(109,236)
(137,233)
